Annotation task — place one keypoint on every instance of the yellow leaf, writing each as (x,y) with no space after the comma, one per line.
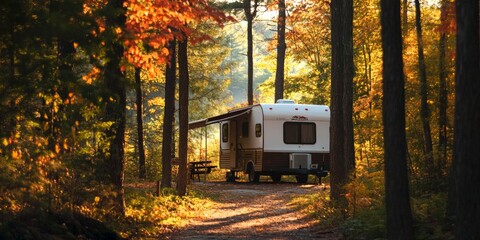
(16,154)
(165,51)
(57,148)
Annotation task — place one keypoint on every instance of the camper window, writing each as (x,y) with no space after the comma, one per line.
(245,129)
(258,130)
(299,133)
(225,132)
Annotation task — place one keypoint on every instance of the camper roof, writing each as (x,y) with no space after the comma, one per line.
(285,110)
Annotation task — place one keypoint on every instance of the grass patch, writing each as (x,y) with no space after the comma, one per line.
(366,224)
(318,206)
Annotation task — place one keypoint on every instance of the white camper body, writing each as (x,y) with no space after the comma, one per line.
(274,139)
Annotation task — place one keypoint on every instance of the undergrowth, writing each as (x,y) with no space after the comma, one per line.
(366,215)
(151,216)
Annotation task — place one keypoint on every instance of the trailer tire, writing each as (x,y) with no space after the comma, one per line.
(276,177)
(302,178)
(253,177)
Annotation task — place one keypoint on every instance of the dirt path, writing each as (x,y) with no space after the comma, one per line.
(254,211)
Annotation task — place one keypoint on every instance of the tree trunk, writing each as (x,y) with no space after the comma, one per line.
(281,48)
(347,101)
(341,123)
(404,18)
(442,96)
(168,116)
(337,170)
(467,120)
(183,117)
(115,83)
(399,218)
(139,102)
(424,109)
(442,121)
(250,15)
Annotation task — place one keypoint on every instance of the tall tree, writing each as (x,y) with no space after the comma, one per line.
(250,14)
(341,125)
(442,93)
(467,120)
(168,117)
(139,104)
(115,83)
(281,48)
(183,116)
(442,112)
(337,170)
(424,109)
(347,101)
(399,218)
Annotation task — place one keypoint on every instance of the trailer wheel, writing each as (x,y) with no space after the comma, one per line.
(302,178)
(252,175)
(276,177)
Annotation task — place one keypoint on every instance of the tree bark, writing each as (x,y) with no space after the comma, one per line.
(139,103)
(281,48)
(399,218)
(424,109)
(183,117)
(115,108)
(168,116)
(467,120)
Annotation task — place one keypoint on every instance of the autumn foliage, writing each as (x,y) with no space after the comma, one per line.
(151,24)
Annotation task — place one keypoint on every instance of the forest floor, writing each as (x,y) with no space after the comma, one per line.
(254,211)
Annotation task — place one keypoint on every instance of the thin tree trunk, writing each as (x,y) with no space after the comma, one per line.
(424,109)
(467,120)
(442,96)
(338,172)
(404,18)
(399,218)
(347,101)
(183,117)
(10,131)
(250,15)
(168,117)
(281,48)
(139,102)
(115,110)
(443,103)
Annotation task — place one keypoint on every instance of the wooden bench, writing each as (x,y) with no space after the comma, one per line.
(200,167)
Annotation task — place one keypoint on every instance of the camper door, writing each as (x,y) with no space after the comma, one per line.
(229,142)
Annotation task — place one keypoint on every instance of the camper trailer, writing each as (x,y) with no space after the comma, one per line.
(274,139)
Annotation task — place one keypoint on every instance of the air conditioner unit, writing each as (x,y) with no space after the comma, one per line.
(300,160)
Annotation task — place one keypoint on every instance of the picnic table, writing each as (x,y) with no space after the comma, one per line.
(200,167)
